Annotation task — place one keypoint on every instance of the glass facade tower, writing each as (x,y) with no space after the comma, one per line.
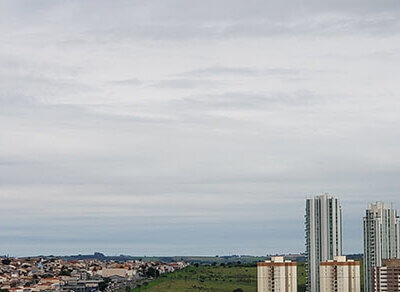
(381,239)
(323,224)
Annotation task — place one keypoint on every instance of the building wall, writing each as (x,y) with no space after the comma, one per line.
(340,275)
(108,272)
(381,239)
(387,277)
(277,276)
(323,224)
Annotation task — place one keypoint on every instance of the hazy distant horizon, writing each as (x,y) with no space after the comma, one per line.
(193,127)
(156,255)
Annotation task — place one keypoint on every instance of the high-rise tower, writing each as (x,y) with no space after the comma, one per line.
(323,222)
(381,239)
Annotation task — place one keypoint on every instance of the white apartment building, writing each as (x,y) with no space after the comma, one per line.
(339,275)
(323,224)
(381,239)
(277,275)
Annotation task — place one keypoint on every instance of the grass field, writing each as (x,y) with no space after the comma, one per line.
(212,278)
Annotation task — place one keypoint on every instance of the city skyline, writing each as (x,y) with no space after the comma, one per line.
(193,127)
(322,223)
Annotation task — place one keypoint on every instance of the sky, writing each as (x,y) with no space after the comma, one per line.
(187,127)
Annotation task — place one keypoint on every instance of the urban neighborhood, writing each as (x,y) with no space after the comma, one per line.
(327,268)
(89,275)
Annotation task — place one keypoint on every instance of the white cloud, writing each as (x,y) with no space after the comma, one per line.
(181,119)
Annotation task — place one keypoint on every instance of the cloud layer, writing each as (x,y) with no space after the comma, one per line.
(192,127)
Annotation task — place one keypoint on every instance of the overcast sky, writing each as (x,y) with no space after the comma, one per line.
(159,127)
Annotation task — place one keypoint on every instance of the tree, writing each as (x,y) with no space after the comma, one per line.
(65,272)
(104,284)
(6,261)
(152,272)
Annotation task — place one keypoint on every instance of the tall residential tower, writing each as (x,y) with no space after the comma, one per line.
(323,222)
(381,239)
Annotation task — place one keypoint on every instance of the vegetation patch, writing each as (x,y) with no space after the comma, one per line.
(213,278)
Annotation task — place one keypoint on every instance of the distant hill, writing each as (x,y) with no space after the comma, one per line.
(194,259)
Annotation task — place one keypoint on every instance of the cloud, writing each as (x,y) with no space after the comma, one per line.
(240,71)
(185,83)
(170,121)
(133,82)
(247,100)
(181,20)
